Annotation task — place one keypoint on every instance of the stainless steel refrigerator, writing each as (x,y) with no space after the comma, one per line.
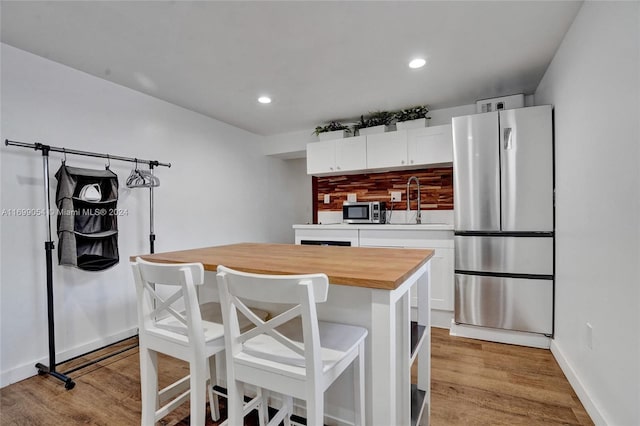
(504,219)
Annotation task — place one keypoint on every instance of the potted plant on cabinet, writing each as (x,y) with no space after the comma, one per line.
(412,118)
(333,130)
(376,122)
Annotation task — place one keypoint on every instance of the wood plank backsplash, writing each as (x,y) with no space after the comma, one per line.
(436,188)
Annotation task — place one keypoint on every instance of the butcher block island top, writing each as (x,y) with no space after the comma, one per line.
(381,268)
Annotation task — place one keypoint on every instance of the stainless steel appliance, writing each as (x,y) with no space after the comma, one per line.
(504,219)
(364,212)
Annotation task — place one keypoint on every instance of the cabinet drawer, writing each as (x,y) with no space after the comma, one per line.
(347,235)
(408,238)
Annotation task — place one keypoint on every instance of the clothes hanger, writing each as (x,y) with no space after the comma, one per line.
(108,163)
(141,178)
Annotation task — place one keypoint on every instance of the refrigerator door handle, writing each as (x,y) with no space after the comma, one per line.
(507,138)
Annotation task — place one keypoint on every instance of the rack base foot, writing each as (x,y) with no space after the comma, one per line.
(43,370)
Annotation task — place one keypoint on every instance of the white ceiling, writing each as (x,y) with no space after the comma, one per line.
(318,60)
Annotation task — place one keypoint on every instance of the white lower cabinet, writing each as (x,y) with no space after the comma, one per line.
(442,277)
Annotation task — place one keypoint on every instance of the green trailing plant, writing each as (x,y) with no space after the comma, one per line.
(376,118)
(332,126)
(412,113)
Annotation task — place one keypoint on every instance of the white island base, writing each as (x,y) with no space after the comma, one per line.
(389,353)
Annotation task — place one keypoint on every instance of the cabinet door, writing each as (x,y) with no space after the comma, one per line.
(442,280)
(321,157)
(387,150)
(430,145)
(351,153)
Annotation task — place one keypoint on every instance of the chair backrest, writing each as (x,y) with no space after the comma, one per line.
(301,291)
(176,316)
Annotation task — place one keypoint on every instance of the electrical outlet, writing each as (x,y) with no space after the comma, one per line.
(327,198)
(352,198)
(589,336)
(396,196)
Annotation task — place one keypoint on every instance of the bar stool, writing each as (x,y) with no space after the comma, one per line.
(293,353)
(174,326)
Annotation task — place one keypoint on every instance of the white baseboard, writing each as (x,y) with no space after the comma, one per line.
(28,369)
(533,340)
(441,319)
(580,390)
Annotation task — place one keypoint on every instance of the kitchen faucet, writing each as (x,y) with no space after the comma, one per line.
(418,218)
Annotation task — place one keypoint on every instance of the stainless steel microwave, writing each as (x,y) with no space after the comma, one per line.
(364,212)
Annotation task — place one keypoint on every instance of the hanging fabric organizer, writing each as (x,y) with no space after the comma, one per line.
(87,218)
(87,229)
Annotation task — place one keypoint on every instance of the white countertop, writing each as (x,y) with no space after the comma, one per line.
(390,226)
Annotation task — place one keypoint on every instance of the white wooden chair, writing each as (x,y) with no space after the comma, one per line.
(301,358)
(173,326)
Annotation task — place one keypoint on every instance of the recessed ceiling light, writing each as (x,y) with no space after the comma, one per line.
(264,100)
(417,63)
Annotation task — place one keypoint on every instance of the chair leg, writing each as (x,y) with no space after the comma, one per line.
(198,392)
(235,402)
(148,385)
(213,398)
(263,408)
(315,409)
(288,402)
(358,379)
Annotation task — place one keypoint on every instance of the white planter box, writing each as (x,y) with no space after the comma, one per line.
(412,124)
(336,134)
(372,130)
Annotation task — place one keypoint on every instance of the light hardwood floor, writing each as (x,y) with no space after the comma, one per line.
(473,383)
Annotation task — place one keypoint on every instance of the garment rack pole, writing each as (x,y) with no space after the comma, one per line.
(39,146)
(152,235)
(49,245)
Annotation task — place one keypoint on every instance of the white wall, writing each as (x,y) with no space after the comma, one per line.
(220,189)
(593,81)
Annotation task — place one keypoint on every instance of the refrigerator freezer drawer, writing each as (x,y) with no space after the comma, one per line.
(507,303)
(509,255)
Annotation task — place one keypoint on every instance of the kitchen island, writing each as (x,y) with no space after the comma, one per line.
(369,288)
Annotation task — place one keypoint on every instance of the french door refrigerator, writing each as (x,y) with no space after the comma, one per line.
(504,219)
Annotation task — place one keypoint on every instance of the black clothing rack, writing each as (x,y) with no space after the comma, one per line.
(49,246)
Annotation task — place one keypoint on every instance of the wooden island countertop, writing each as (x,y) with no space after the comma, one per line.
(381,268)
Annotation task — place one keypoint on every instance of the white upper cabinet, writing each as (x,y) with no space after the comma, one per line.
(411,148)
(321,157)
(351,153)
(430,145)
(386,150)
(335,156)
